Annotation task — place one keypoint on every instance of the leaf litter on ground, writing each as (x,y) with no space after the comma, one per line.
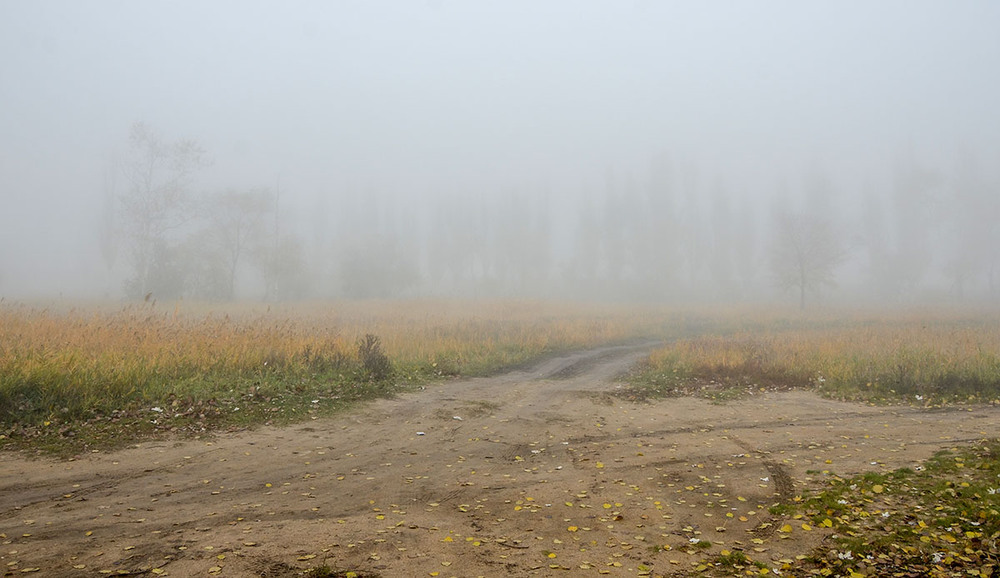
(939,519)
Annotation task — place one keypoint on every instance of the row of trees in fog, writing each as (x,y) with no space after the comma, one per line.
(178,243)
(661,236)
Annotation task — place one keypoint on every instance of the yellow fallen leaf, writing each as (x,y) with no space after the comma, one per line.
(786,528)
(572,528)
(878,488)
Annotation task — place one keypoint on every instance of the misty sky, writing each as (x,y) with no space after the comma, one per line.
(471,98)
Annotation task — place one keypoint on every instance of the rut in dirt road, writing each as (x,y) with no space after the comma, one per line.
(527,473)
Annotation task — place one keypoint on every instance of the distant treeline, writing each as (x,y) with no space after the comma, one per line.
(660,237)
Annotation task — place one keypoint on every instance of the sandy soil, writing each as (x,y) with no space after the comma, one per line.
(536,472)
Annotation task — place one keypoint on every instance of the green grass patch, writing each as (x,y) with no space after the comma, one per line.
(940,519)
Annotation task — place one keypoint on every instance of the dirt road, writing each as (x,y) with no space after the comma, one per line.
(538,472)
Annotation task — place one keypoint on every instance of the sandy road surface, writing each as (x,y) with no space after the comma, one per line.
(533,472)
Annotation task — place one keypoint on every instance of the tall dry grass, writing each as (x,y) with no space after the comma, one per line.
(80,362)
(199,367)
(927,357)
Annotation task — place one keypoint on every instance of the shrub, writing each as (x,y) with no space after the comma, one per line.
(374,362)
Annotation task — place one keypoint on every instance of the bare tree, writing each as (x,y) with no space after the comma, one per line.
(236,223)
(805,254)
(915,207)
(158,176)
(106,233)
(284,268)
(972,229)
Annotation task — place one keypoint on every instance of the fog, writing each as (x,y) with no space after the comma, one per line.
(813,154)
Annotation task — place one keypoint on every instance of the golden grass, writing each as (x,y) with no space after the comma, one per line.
(201,367)
(77,361)
(926,358)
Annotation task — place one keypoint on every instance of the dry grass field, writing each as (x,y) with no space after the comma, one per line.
(216,367)
(80,377)
(928,359)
